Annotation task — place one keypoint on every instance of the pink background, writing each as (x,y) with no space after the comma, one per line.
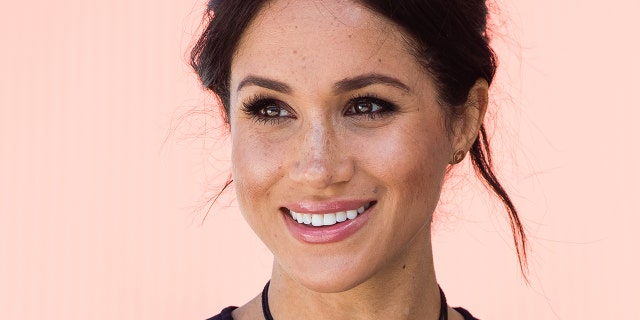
(99,214)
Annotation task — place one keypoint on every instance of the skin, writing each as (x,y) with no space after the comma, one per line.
(315,150)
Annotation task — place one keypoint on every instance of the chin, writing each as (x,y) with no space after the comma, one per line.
(336,276)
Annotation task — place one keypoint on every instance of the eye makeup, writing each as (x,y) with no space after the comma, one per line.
(267,110)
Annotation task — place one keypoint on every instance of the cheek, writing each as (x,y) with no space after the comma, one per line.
(411,160)
(256,166)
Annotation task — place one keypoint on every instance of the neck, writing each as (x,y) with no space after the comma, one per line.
(404,289)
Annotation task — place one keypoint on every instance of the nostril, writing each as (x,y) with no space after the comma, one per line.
(319,170)
(315,172)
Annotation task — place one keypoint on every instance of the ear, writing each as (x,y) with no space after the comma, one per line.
(467,125)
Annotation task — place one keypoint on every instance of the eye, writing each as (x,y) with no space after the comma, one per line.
(273,111)
(366,107)
(369,106)
(267,110)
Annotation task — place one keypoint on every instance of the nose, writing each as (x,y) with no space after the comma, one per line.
(322,157)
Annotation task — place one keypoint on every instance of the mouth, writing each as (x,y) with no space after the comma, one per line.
(329,218)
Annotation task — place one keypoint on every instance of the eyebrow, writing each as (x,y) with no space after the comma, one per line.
(365,80)
(344,85)
(265,83)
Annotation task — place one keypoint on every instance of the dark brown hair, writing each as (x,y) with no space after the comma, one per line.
(449,38)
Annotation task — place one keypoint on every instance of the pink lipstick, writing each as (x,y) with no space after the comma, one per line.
(326,222)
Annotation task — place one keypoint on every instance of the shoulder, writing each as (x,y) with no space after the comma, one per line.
(465,314)
(225,314)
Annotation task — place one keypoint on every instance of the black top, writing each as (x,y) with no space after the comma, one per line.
(226,314)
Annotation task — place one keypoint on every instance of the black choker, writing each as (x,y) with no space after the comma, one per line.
(267,312)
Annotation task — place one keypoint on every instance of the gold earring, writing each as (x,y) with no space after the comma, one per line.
(458,156)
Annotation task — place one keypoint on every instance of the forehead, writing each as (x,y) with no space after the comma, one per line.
(303,41)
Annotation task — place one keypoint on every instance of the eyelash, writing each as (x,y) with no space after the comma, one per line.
(255,108)
(387,108)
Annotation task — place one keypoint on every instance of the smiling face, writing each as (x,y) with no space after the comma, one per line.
(336,124)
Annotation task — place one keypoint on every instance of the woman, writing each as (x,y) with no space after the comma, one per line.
(345,117)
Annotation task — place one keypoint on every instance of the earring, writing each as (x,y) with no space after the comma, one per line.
(458,156)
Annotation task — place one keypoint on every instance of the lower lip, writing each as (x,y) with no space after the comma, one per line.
(326,234)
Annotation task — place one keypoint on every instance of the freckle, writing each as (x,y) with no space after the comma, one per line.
(404,266)
(350,36)
(379,59)
(295,51)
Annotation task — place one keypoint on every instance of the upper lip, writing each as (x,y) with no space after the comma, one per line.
(325,206)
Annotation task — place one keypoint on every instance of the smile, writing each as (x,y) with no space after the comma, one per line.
(330,218)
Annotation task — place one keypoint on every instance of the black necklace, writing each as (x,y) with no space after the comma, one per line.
(267,312)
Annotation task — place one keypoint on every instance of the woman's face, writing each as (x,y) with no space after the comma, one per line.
(334,123)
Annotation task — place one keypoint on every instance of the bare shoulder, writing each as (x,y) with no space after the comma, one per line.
(250,311)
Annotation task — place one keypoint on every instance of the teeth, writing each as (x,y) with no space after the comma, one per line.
(307,218)
(327,219)
(317,220)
